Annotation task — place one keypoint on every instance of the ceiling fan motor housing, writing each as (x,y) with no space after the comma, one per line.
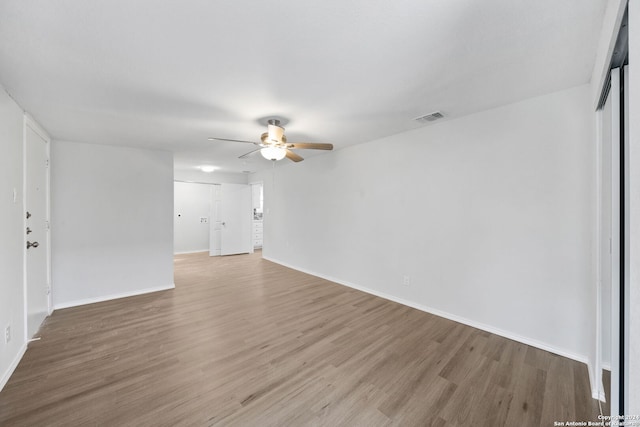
(268,141)
(275,132)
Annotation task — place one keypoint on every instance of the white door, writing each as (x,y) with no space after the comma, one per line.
(215,227)
(235,219)
(36,229)
(610,235)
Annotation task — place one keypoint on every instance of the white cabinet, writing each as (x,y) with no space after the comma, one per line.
(257,234)
(257,198)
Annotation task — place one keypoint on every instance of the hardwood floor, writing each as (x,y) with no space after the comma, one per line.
(245,342)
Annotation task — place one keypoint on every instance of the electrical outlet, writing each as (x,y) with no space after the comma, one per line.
(406,280)
(7,334)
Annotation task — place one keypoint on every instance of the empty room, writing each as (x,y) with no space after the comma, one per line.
(319,213)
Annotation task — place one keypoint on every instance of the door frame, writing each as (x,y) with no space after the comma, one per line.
(29,122)
(597,389)
(616,256)
(613,228)
(618,227)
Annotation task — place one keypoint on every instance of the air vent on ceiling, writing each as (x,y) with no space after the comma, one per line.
(429,117)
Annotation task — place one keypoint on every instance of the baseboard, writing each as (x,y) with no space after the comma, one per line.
(446,315)
(597,390)
(12,367)
(598,394)
(191,252)
(112,297)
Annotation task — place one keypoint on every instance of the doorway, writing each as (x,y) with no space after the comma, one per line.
(212,217)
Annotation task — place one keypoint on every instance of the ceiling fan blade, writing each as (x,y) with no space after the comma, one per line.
(293,156)
(311,145)
(244,156)
(212,138)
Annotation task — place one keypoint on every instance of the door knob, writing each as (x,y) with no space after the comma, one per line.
(224,223)
(34,244)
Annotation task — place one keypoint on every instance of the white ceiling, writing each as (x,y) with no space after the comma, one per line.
(168,74)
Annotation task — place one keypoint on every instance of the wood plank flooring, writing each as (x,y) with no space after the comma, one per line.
(245,342)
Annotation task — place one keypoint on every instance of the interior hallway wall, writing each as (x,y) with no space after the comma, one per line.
(11,236)
(214,177)
(112,226)
(192,203)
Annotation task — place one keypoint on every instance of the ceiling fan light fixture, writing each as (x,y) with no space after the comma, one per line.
(273,153)
(274,146)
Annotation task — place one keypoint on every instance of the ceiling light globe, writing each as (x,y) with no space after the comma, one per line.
(273,153)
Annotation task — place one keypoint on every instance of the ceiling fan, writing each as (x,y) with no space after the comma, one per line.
(274,145)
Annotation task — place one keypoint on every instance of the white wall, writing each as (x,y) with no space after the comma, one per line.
(214,177)
(11,236)
(491,215)
(191,203)
(112,228)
